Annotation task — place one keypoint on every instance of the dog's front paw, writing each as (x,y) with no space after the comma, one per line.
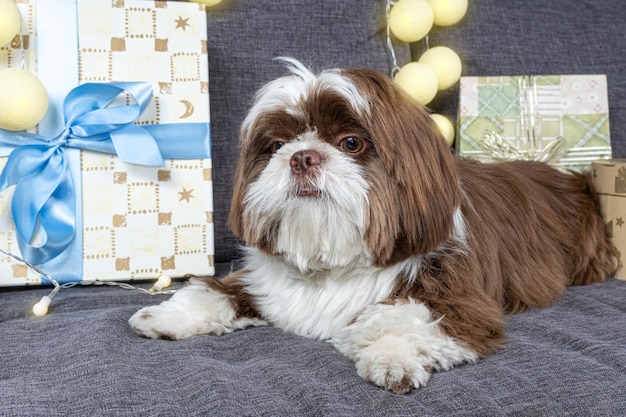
(390,364)
(164,322)
(195,309)
(397,346)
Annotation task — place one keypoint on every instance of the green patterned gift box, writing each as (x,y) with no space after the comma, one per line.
(559,119)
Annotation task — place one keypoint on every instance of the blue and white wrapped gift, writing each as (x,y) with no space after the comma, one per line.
(116,183)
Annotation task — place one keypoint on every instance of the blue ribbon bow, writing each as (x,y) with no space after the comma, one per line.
(44,200)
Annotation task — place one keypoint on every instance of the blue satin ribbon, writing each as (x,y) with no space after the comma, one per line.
(44,201)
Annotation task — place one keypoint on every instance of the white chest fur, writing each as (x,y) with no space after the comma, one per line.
(317,305)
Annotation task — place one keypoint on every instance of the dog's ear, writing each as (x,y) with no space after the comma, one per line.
(235,220)
(249,167)
(414,191)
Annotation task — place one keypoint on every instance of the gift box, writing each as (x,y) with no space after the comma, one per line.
(138,199)
(559,119)
(609,178)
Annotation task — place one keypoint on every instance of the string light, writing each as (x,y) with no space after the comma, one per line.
(23,100)
(445,63)
(41,307)
(411,20)
(164,281)
(438,68)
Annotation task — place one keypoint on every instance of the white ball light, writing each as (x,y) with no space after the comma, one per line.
(411,20)
(418,80)
(445,127)
(23,99)
(41,308)
(448,12)
(9,21)
(446,64)
(164,281)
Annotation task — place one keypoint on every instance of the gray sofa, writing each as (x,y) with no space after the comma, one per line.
(83,359)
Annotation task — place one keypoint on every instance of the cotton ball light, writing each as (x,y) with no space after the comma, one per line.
(418,80)
(9,21)
(448,12)
(41,308)
(446,64)
(411,20)
(23,99)
(445,127)
(164,281)
(207,3)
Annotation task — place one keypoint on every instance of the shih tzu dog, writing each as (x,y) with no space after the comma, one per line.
(363,229)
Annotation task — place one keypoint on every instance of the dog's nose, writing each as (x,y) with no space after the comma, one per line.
(302,161)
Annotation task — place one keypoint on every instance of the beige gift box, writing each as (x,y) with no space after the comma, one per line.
(609,177)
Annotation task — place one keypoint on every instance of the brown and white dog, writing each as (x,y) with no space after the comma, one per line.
(364,230)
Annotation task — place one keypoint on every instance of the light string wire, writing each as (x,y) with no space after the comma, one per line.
(394,61)
(392,52)
(44,275)
(41,308)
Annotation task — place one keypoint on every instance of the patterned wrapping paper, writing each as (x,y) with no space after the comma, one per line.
(137,221)
(609,177)
(571,107)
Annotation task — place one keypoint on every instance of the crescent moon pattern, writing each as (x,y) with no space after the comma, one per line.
(189,109)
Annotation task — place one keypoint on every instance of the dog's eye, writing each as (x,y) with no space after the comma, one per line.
(352,144)
(275,146)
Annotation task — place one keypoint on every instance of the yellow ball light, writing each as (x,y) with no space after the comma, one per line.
(418,80)
(23,99)
(446,64)
(448,12)
(411,20)
(9,21)
(445,127)
(207,3)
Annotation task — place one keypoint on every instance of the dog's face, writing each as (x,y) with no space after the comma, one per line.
(341,169)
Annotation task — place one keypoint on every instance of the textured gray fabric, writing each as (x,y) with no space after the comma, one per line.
(83,359)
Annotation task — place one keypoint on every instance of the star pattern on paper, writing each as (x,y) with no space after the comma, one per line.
(619,222)
(186,195)
(182,23)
